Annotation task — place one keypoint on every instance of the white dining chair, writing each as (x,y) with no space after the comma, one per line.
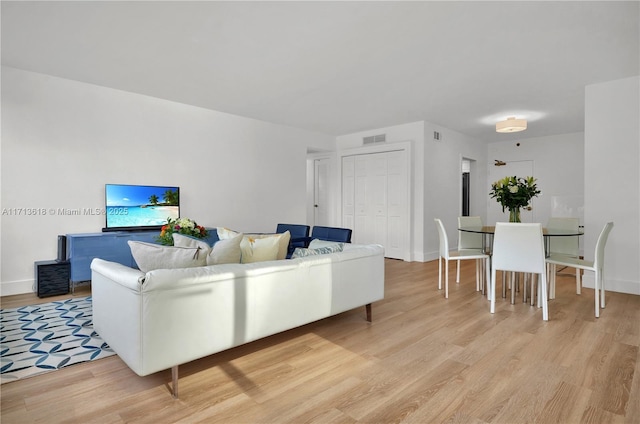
(459,255)
(596,266)
(560,247)
(519,247)
(470,241)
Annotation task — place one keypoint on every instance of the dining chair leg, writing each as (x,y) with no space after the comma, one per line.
(477,281)
(446,278)
(440,273)
(597,294)
(552,281)
(487,273)
(504,284)
(493,291)
(578,282)
(538,290)
(534,278)
(486,270)
(602,288)
(457,271)
(543,297)
(548,269)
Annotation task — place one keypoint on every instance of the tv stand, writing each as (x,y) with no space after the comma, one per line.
(110,246)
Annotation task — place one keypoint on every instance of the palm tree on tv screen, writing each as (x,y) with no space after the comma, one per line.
(171,197)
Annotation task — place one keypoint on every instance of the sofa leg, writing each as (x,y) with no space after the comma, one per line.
(174,378)
(368,308)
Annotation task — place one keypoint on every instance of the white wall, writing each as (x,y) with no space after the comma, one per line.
(558,163)
(63,140)
(612,179)
(443,183)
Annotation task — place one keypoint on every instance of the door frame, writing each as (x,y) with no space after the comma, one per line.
(407,147)
(311,185)
(328,192)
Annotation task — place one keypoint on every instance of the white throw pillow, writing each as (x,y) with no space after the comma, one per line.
(225,233)
(180,240)
(226,251)
(259,249)
(150,256)
(283,240)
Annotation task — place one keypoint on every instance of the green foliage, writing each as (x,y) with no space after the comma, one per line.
(514,192)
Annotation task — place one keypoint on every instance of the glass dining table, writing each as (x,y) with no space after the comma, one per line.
(488,231)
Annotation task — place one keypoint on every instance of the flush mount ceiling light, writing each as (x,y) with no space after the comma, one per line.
(511,124)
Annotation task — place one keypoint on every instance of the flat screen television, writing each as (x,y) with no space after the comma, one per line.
(138,207)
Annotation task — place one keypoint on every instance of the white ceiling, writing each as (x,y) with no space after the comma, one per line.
(340,67)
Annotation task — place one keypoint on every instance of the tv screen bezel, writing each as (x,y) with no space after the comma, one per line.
(107,228)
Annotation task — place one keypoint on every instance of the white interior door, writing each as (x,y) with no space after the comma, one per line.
(518,169)
(321,192)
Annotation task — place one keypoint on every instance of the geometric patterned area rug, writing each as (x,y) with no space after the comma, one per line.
(41,338)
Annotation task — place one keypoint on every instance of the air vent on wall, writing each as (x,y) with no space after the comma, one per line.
(380,138)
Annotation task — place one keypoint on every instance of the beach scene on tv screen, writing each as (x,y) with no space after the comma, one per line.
(141,206)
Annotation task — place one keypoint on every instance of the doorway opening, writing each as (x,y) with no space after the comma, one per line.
(465,166)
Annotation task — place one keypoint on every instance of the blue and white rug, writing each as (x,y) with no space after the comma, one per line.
(41,338)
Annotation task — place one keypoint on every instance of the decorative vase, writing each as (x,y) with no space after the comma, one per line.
(514,215)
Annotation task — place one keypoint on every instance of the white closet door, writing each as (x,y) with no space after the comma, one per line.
(348,192)
(361,201)
(375,196)
(377,204)
(397,204)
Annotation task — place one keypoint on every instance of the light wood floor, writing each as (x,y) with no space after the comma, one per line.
(424,359)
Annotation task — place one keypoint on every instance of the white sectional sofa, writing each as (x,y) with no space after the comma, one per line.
(167,317)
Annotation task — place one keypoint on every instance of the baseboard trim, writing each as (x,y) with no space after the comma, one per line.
(618,286)
(10,288)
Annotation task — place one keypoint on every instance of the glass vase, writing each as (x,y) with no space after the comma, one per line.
(514,215)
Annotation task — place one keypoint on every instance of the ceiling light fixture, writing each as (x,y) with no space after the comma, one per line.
(511,124)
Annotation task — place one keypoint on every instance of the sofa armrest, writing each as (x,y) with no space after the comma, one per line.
(123,275)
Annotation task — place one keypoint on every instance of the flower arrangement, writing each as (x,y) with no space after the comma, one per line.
(184,226)
(514,193)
